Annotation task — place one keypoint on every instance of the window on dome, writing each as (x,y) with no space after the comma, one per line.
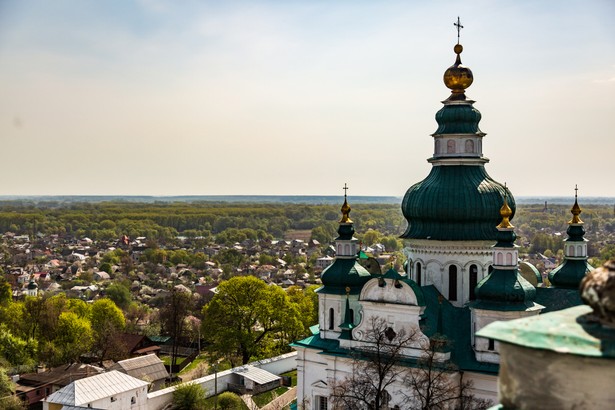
(437,147)
(473,281)
(331,317)
(452,282)
(469,146)
(450,147)
(579,251)
(509,257)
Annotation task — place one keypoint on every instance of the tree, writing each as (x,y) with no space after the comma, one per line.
(375,368)
(73,338)
(107,323)
(229,401)
(173,318)
(188,396)
(249,319)
(382,366)
(8,401)
(119,294)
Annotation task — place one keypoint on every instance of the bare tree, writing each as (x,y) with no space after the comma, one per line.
(375,368)
(381,367)
(438,385)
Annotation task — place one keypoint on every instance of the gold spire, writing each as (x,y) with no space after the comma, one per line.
(505,213)
(345,209)
(576,209)
(458,77)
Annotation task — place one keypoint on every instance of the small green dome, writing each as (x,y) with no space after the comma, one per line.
(570,273)
(456,202)
(32,285)
(344,273)
(504,289)
(458,119)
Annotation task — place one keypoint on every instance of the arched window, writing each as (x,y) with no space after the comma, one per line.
(346,249)
(418,273)
(509,257)
(437,147)
(490,269)
(500,258)
(571,250)
(331,319)
(469,146)
(473,281)
(450,146)
(579,250)
(452,282)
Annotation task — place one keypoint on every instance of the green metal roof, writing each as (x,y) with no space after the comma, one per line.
(458,119)
(457,202)
(342,273)
(570,331)
(557,298)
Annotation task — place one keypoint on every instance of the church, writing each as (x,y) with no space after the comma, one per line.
(461,274)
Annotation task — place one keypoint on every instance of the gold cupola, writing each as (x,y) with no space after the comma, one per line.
(345,209)
(505,213)
(576,209)
(458,77)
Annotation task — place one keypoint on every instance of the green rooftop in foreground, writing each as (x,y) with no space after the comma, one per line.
(570,331)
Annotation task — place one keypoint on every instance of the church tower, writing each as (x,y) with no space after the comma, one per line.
(504,294)
(452,213)
(573,269)
(342,281)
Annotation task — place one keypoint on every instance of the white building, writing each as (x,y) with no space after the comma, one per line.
(112,390)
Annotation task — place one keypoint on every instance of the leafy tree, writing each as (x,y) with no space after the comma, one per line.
(8,401)
(246,318)
(15,350)
(229,401)
(6,293)
(74,338)
(188,396)
(119,294)
(108,322)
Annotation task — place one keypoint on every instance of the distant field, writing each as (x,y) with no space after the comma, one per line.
(303,234)
(289,199)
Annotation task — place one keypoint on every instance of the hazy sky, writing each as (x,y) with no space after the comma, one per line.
(156,97)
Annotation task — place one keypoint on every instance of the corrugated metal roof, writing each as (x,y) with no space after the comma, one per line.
(90,389)
(255,374)
(148,367)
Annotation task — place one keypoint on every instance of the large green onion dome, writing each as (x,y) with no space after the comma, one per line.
(455,202)
(458,200)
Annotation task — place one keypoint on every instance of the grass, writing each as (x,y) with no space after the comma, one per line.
(210,404)
(293,377)
(268,396)
(195,363)
(167,360)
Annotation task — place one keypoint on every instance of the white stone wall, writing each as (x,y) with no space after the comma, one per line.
(276,365)
(436,257)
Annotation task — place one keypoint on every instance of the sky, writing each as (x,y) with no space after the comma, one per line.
(156,97)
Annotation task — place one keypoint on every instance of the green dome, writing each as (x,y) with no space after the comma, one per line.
(458,119)
(570,273)
(456,202)
(343,273)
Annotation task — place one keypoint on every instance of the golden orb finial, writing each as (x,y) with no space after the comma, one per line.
(505,213)
(576,209)
(345,208)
